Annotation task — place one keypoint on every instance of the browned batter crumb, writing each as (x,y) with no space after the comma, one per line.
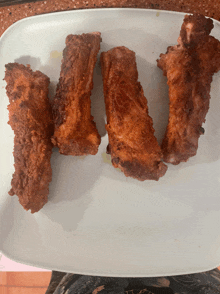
(189,67)
(75,131)
(30,117)
(132,144)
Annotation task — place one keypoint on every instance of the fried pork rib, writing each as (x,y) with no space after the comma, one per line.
(189,67)
(30,117)
(75,131)
(132,144)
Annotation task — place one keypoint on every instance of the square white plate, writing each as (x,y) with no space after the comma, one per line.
(97,221)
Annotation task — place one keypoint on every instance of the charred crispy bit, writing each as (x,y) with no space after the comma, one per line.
(30,117)
(189,67)
(132,144)
(75,131)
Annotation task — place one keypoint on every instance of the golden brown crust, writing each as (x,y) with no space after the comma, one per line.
(30,117)
(75,131)
(189,67)
(132,144)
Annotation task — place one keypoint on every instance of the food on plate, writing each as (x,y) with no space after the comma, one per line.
(75,131)
(30,117)
(189,67)
(132,144)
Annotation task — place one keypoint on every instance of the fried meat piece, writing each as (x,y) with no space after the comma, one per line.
(132,144)
(189,67)
(30,117)
(75,131)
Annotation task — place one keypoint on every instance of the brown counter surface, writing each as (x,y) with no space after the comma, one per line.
(11,14)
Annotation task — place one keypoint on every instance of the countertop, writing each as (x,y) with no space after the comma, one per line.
(11,14)
(8,265)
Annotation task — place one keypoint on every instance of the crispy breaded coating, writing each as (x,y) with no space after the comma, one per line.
(132,144)
(30,117)
(189,67)
(75,131)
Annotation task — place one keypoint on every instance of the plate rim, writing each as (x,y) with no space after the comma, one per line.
(6,34)
(121,275)
(11,27)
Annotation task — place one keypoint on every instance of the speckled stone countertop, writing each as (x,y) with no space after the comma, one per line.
(11,14)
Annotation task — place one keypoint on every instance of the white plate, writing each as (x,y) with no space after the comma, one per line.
(97,221)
